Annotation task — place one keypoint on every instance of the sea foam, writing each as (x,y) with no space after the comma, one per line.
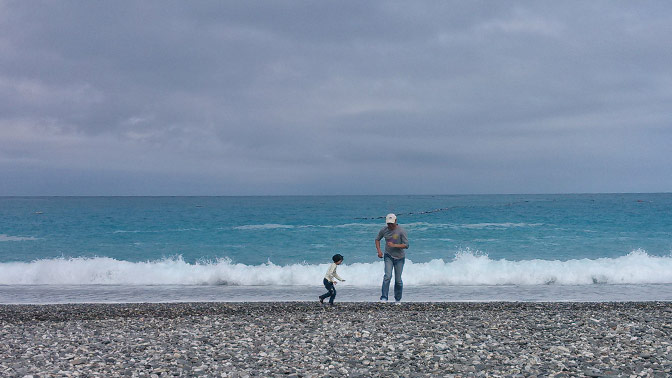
(466,268)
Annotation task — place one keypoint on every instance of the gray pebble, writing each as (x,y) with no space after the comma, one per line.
(353,339)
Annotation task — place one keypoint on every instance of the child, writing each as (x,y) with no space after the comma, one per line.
(330,280)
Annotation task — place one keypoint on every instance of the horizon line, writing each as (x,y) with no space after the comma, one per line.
(315,195)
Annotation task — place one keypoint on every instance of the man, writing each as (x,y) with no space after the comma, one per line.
(396,242)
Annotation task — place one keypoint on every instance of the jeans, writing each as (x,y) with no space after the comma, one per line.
(398,265)
(331,293)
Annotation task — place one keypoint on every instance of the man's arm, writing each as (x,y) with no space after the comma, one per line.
(380,253)
(404,240)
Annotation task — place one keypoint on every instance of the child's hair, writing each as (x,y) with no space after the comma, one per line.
(337,257)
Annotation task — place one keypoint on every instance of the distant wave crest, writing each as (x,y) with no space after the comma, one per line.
(467,268)
(8,238)
(268,226)
(413,225)
(273,226)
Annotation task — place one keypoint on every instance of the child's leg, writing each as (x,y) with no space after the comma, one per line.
(329,286)
(333,294)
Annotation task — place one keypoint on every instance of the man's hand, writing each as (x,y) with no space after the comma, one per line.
(380,255)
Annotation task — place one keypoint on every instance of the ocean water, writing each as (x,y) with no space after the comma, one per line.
(590,247)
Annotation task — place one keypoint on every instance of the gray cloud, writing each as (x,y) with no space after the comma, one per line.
(348,97)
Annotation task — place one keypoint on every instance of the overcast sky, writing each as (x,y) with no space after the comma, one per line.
(342,97)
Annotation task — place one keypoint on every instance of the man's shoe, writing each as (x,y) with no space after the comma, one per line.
(398,303)
(321,300)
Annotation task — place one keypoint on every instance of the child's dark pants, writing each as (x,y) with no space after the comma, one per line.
(331,293)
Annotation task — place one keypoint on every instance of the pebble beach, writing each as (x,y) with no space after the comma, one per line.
(301,339)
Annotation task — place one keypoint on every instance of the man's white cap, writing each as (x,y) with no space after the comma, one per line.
(391,218)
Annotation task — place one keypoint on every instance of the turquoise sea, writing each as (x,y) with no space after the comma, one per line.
(586,247)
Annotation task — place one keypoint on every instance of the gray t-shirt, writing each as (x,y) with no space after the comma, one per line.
(396,236)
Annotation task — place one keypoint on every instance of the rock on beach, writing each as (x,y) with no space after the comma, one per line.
(301,339)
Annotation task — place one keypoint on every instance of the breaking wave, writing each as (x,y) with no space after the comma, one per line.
(466,268)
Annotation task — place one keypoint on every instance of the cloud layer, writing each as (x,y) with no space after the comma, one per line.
(225,98)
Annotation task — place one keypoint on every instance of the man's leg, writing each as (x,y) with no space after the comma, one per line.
(387,277)
(398,284)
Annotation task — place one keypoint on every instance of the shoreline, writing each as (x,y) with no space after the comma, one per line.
(304,339)
(65,294)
